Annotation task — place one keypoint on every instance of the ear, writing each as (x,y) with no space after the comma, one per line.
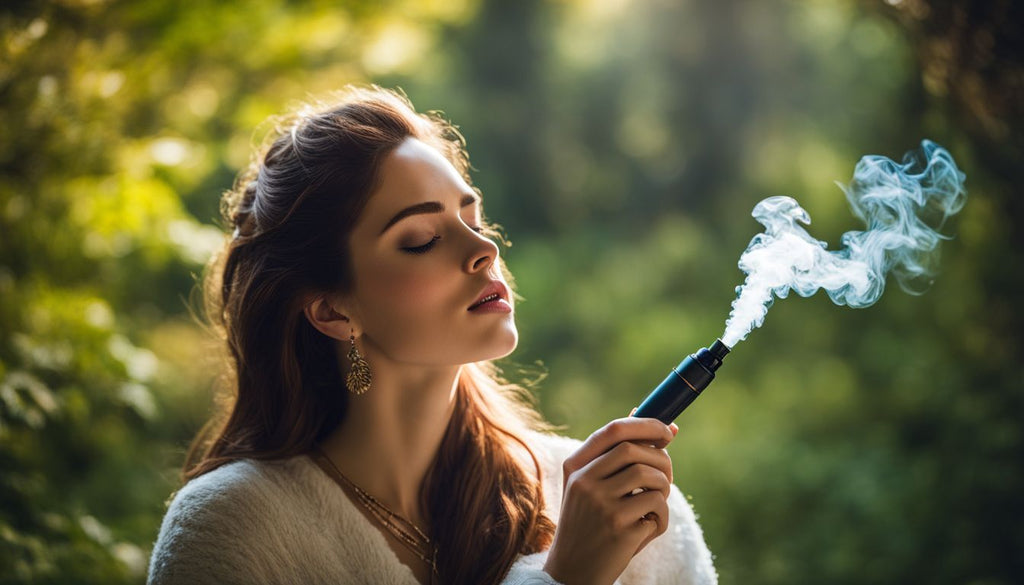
(326,315)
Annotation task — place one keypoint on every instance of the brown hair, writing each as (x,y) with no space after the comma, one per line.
(291,213)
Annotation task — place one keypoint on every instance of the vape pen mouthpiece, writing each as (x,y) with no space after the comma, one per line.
(719,349)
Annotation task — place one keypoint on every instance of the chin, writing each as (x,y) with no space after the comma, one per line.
(502,344)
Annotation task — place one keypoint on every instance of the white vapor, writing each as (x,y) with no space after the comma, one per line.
(896,201)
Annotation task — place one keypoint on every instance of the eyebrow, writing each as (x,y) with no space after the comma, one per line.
(427,207)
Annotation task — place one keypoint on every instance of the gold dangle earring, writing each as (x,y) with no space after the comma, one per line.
(359,377)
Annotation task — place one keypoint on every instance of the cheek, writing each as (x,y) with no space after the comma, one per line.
(405,290)
(405,306)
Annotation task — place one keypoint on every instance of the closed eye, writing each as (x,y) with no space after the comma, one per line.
(426,247)
(422,249)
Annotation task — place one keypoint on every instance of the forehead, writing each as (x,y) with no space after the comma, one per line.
(413,173)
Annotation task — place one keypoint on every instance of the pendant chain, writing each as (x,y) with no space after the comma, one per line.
(400,527)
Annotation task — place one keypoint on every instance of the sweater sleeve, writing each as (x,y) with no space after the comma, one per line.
(529,570)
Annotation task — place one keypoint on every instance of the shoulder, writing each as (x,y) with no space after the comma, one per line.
(222,489)
(233,492)
(220,527)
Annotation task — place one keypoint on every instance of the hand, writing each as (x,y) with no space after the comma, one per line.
(604,521)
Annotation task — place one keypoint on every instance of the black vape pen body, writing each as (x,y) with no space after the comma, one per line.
(683,384)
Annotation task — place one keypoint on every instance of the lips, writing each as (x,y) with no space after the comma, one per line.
(494,291)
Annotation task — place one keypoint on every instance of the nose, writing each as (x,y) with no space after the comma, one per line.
(483,253)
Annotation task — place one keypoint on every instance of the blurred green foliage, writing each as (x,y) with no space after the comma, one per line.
(622,144)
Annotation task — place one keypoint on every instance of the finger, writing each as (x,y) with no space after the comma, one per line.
(645,430)
(625,454)
(637,476)
(658,522)
(642,513)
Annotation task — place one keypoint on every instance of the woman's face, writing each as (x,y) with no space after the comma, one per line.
(421,267)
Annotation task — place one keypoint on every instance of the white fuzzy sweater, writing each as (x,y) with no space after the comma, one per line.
(287,522)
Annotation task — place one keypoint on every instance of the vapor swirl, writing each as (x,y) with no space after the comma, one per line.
(904,206)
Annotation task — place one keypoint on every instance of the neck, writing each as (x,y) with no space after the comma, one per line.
(391,434)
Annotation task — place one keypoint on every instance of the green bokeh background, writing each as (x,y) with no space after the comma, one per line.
(621,144)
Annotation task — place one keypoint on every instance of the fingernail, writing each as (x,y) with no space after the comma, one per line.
(674,428)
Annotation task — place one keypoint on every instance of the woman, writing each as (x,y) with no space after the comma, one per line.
(367,440)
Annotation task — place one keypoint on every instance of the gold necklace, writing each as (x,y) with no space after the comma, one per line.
(400,527)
